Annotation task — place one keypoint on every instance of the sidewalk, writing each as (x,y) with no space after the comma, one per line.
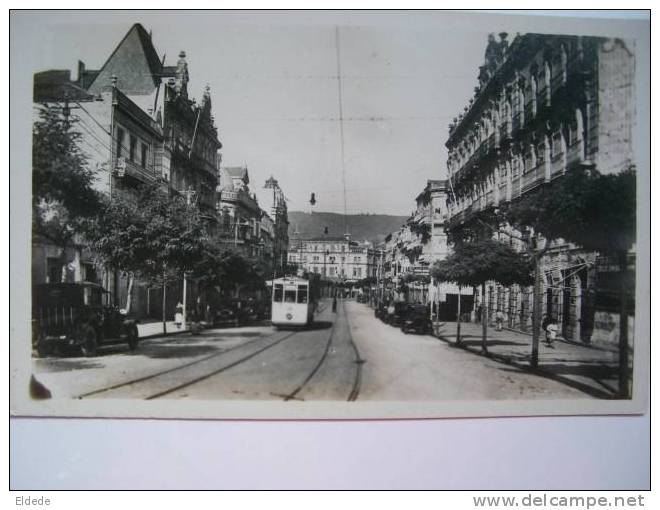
(156,328)
(593,370)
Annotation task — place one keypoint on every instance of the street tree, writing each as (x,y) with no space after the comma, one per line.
(596,212)
(473,263)
(148,234)
(63,196)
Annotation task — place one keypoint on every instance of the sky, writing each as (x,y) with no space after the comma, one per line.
(275,93)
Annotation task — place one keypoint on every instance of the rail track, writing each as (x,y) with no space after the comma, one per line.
(160,378)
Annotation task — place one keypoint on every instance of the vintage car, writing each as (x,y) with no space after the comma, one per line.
(417,318)
(73,315)
(380,312)
(226,315)
(396,319)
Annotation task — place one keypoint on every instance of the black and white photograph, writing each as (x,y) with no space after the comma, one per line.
(285,216)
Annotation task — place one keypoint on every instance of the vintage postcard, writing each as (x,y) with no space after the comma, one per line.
(328,215)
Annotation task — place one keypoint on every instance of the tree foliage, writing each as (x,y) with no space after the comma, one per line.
(63,197)
(473,263)
(149,233)
(584,207)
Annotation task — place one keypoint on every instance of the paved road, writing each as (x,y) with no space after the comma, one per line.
(345,356)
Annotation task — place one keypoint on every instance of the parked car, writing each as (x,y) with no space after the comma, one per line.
(380,311)
(226,315)
(417,318)
(73,315)
(397,318)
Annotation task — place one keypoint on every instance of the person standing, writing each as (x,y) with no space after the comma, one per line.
(551,330)
(499,320)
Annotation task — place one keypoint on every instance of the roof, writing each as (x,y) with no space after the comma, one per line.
(56,85)
(134,61)
(330,239)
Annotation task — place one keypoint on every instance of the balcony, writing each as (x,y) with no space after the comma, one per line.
(543,97)
(533,178)
(505,131)
(489,198)
(132,169)
(518,122)
(530,110)
(557,165)
(515,187)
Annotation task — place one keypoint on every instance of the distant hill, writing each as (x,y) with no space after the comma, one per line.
(372,227)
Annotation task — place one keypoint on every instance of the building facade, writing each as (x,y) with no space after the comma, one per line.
(334,258)
(137,125)
(543,105)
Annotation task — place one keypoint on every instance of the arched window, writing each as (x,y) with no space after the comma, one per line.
(547,83)
(563,59)
(530,158)
(533,91)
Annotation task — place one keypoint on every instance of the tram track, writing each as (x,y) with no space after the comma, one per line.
(355,390)
(316,368)
(161,373)
(339,325)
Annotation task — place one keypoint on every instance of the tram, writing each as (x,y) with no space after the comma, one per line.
(294,301)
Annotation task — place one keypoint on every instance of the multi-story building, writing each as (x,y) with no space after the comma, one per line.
(543,105)
(244,225)
(137,125)
(239,211)
(272,199)
(418,244)
(334,258)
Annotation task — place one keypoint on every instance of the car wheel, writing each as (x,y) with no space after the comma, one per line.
(90,342)
(133,338)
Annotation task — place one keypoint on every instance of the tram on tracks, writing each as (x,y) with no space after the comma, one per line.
(294,301)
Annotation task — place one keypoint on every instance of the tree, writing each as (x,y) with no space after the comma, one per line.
(149,234)
(476,262)
(63,197)
(594,211)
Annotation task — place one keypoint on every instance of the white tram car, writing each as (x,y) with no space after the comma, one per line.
(294,302)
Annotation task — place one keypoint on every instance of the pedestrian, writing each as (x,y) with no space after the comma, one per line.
(334,304)
(499,320)
(390,312)
(178,315)
(479,312)
(551,331)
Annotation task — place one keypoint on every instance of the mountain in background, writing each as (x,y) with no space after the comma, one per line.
(372,227)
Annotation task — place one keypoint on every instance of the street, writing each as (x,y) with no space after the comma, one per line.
(349,355)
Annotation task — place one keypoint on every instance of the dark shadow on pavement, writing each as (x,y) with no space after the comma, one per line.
(489,343)
(175,351)
(555,371)
(316,325)
(65,365)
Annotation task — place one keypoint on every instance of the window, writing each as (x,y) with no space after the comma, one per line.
(530,159)
(290,296)
(277,294)
(302,294)
(120,141)
(90,272)
(53,270)
(557,144)
(540,154)
(132,147)
(143,155)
